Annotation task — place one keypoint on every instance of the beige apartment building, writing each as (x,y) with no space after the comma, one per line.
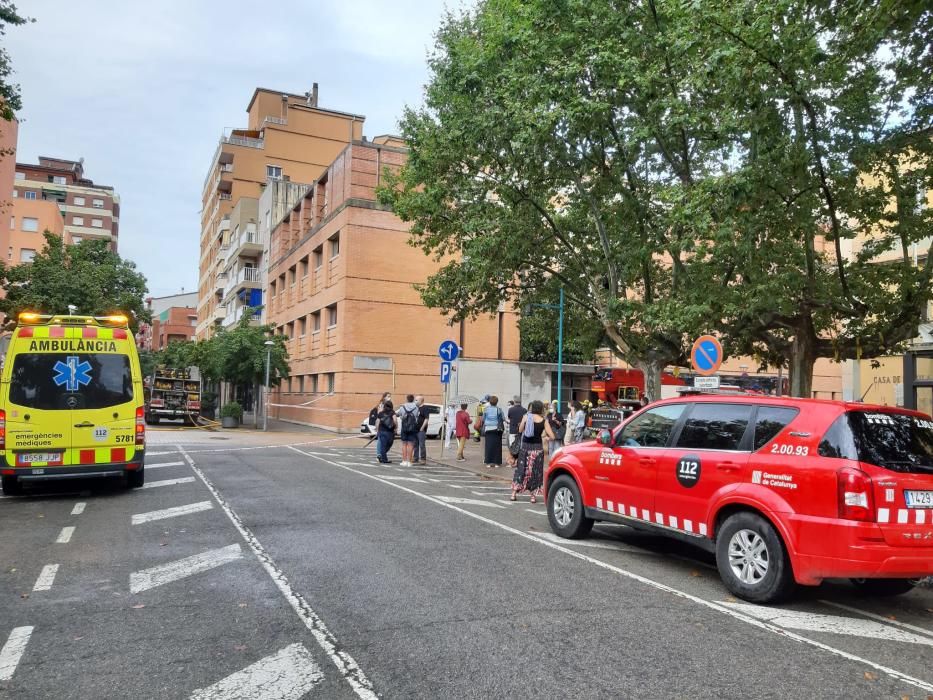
(341,289)
(287,138)
(89,211)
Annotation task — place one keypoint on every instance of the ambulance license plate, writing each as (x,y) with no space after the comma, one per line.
(919,499)
(33,457)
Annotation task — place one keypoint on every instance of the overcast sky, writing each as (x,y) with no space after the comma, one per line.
(143,90)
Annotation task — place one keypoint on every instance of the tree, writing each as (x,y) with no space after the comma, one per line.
(10,101)
(538,328)
(87,275)
(242,355)
(836,146)
(571,142)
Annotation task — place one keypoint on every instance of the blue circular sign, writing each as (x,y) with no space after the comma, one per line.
(449,351)
(706,355)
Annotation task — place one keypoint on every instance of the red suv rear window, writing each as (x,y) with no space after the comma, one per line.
(892,441)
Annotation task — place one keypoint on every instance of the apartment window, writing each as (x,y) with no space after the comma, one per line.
(20,176)
(97,203)
(75,240)
(316,322)
(29,194)
(79,201)
(335,246)
(97,223)
(313,383)
(292,274)
(30,224)
(290,330)
(318,258)
(274,171)
(330,382)
(331,316)
(301,384)
(58,179)
(302,326)
(303,267)
(26,255)
(77,220)
(272,289)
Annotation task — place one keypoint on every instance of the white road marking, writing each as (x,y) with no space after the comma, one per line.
(13,650)
(712,605)
(64,537)
(78,509)
(159,454)
(537,511)
(168,482)
(465,501)
(346,664)
(174,570)
(551,537)
(140,518)
(834,624)
(46,577)
(164,464)
(490,493)
(404,478)
(880,618)
(286,675)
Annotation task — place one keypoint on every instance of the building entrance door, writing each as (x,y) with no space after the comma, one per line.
(918,381)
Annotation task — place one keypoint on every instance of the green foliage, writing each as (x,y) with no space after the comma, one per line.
(148,360)
(237,355)
(680,167)
(232,409)
(87,275)
(538,328)
(10,101)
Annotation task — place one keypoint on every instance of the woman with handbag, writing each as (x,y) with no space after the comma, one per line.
(529,471)
(493,427)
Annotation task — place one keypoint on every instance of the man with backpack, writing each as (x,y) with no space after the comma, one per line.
(408,427)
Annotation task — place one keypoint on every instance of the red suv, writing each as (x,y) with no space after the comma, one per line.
(782,490)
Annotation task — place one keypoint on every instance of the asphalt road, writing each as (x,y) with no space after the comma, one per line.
(291,565)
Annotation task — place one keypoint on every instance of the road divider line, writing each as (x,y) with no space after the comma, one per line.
(166,464)
(168,482)
(289,674)
(183,568)
(536,511)
(13,650)
(346,664)
(405,478)
(78,509)
(64,537)
(141,518)
(879,618)
(722,608)
(159,454)
(46,577)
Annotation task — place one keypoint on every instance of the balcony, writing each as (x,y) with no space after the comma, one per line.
(220,282)
(225,195)
(247,244)
(244,141)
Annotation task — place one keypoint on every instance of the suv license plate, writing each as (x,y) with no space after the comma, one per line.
(919,499)
(33,457)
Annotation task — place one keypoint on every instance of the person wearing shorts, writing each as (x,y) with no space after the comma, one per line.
(408,429)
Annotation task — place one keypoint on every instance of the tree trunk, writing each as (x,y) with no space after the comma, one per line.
(802,359)
(651,369)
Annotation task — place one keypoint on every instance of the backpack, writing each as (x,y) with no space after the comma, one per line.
(410,421)
(387,422)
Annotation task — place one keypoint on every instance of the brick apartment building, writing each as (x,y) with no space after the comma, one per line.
(341,288)
(174,318)
(288,138)
(88,211)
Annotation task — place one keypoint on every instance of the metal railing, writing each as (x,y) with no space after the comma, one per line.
(247,141)
(248,274)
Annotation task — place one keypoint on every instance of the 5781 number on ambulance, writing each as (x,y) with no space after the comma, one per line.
(71,401)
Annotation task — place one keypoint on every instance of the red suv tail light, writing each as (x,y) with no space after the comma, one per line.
(855,495)
(140,427)
(2,430)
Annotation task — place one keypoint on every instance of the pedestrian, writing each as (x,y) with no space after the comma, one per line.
(374,412)
(515,413)
(408,428)
(558,428)
(421,438)
(579,421)
(478,425)
(493,427)
(450,424)
(529,470)
(386,423)
(463,424)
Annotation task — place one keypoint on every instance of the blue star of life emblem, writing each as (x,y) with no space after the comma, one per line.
(71,375)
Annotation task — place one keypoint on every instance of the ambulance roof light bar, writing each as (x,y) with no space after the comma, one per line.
(27,318)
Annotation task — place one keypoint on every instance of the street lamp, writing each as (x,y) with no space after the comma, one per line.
(265,403)
(560,339)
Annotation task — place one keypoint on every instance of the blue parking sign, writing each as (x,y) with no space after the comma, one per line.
(445,373)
